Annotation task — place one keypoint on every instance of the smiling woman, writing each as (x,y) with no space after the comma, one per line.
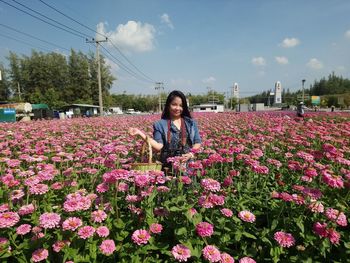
(176,134)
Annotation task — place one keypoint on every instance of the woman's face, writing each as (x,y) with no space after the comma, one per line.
(176,107)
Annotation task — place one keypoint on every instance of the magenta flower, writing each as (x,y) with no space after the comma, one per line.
(102,231)
(8,219)
(140,237)
(23,229)
(226,212)
(72,223)
(40,255)
(246,216)
(98,216)
(86,232)
(26,210)
(156,228)
(58,245)
(49,220)
(226,258)
(284,239)
(107,247)
(211,185)
(211,253)
(39,189)
(181,253)
(247,260)
(204,229)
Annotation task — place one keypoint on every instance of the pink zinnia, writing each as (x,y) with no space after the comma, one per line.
(39,189)
(26,210)
(333,236)
(72,223)
(320,229)
(98,216)
(102,231)
(156,228)
(40,255)
(140,236)
(210,185)
(211,253)
(107,247)
(284,239)
(58,245)
(86,232)
(49,220)
(246,216)
(8,219)
(226,212)
(316,207)
(23,229)
(181,253)
(204,229)
(226,258)
(247,260)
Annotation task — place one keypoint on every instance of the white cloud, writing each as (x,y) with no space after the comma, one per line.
(114,67)
(209,80)
(258,61)
(165,19)
(282,60)
(290,42)
(347,34)
(341,69)
(314,63)
(133,36)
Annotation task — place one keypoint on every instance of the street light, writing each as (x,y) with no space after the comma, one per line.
(302,82)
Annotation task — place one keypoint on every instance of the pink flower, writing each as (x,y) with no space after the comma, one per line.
(333,236)
(284,239)
(181,253)
(23,229)
(49,220)
(8,219)
(226,212)
(247,260)
(338,217)
(156,228)
(316,207)
(320,229)
(38,189)
(246,216)
(107,247)
(86,232)
(204,229)
(140,237)
(72,223)
(40,255)
(58,245)
(98,216)
(210,185)
(102,231)
(226,258)
(211,253)
(26,210)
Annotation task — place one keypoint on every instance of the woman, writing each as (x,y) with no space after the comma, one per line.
(176,134)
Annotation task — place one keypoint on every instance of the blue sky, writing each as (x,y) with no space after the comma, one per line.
(195,44)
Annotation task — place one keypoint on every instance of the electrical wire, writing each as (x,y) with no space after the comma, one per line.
(113,44)
(47,42)
(79,35)
(24,42)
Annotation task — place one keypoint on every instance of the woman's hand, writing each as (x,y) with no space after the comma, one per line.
(187,156)
(134,131)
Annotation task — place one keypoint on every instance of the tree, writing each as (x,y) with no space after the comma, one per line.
(4,85)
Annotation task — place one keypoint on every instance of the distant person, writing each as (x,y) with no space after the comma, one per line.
(176,134)
(300,109)
(332,108)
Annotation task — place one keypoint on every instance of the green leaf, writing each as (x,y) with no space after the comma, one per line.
(246,234)
(181,231)
(300,225)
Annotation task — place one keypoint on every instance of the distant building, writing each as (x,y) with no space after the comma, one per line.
(208,108)
(81,109)
(278,93)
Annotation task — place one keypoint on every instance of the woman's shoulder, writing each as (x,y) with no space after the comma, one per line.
(160,123)
(189,120)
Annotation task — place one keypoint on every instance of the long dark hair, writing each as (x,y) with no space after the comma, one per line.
(172,95)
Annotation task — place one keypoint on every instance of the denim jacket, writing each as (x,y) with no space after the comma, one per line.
(160,130)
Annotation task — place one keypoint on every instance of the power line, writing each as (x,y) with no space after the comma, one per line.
(79,35)
(125,68)
(113,45)
(47,42)
(26,43)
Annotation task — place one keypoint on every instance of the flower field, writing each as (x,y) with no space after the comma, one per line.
(266,187)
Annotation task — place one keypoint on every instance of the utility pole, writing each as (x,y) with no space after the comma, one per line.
(302,82)
(100,102)
(159,86)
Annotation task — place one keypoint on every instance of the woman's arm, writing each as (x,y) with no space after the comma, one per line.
(155,145)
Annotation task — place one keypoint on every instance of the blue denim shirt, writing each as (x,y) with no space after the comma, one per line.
(160,131)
